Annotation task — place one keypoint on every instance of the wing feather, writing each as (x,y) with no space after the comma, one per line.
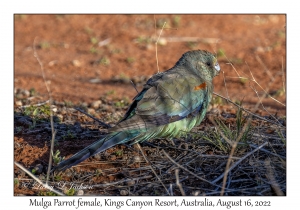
(170,98)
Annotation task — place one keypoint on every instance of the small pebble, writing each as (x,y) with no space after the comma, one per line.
(95,80)
(54,108)
(26,93)
(76,63)
(162,41)
(52,63)
(137,159)
(60,117)
(96,104)
(80,192)
(19,103)
(260,49)
(91,111)
(130,182)
(195,193)
(123,192)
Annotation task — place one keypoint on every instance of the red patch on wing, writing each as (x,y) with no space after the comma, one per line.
(201,86)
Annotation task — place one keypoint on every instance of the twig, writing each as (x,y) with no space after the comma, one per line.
(180,166)
(121,181)
(264,66)
(39,181)
(255,115)
(266,151)
(239,161)
(50,156)
(34,131)
(138,145)
(42,68)
(265,137)
(134,86)
(266,91)
(225,84)
(229,182)
(236,142)
(270,176)
(50,103)
(199,154)
(178,182)
(156,46)
(232,66)
(227,169)
(101,123)
(263,105)
(239,190)
(254,80)
(39,104)
(171,189)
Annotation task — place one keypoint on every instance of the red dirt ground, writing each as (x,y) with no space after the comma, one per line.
(86,57)
(68,48)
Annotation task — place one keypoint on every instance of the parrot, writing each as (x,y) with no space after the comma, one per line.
(171,102)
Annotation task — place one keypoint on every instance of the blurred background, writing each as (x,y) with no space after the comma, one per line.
(86,57)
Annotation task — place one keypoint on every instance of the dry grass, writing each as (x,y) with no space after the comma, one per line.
(192,166)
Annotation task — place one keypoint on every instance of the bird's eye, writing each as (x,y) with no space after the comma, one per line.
(208,64)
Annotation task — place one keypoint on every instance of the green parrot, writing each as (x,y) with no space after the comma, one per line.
(171,102)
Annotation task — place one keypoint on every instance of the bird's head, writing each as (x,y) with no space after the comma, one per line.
(202,63)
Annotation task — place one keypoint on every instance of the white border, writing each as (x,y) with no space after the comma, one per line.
(8,8)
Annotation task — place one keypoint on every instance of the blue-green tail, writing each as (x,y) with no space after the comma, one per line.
(102,144)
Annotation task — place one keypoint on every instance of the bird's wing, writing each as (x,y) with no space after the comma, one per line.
(170,98)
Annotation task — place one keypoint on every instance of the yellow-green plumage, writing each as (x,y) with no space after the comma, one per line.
(171,102)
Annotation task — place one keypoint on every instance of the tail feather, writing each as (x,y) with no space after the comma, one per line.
(98,146)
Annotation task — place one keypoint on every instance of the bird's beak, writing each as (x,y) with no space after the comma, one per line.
(217,67)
